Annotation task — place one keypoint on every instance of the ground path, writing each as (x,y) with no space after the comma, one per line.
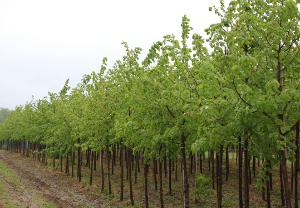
(24,183)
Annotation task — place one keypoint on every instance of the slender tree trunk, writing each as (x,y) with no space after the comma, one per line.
(281,186)
(296,205)
(268,193)
(292,177)
(284,152)
(79,162)
(102,170)
(201,163)
(176,169)
(73,159)
(246,173)
(91,169)
(122,172)
(219,176)
(254,166)
(129,158)
(240,160)
(170,177)
(212,160)
(161,191)
(108,153)
(227,163)
(287,191)
(146,167)
(154,173)
(184,173)
(61,163)
(165,166)
(67,164)
(136,169)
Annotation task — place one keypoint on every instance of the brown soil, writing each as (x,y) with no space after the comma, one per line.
(53,186)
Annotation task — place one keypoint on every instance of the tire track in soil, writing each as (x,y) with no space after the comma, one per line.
(50,189)
(22,196)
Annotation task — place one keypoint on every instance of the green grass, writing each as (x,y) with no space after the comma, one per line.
(7,175)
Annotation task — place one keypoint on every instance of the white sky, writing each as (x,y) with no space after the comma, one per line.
(45,42)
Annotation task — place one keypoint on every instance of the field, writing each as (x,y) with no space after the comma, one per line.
(28,183)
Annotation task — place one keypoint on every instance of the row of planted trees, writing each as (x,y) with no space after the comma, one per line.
(182,105)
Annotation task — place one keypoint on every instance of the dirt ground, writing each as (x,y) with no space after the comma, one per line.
(42,186)
(35,179)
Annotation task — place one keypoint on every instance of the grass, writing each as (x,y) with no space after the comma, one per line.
(10,183)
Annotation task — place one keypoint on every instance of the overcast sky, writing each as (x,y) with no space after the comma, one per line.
(45,42)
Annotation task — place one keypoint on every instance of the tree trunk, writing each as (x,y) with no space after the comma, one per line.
(219,176)
(170,177)
(61,163)
(67,164)
(154,173)
(161,191)
(212,161)
(108,170)
(91,169)
(72,161)
(281,186)
(246,173)
(284,152)
(227,163)
(129,158)
(254,166)
(146,167)
(184,172)
(287,191)
(201,165)
(122,172)
(240,160)
(296,205)
(268,182)
(102,170)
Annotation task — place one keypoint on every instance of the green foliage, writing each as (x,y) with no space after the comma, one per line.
(203,186)
(4,113)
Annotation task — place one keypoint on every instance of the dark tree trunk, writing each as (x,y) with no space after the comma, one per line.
(227,163)
(95,160)
(184,173)
(154,173)
(297,137)
(165,166)
(283,153)
(219,176)
(146,167)
(201,164)
(246,173)
(281,187)
(176,169)
(136,169)
(170,177)
(212,160)
(161,191)
(292,177)
(268,182)
(73,160)
(102,170)
(108,153)
(122,172)
(129,158)
(61,163)
(240,157)
(91,169)
(254,166)
(79,162)
(287,191)
(67,164)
